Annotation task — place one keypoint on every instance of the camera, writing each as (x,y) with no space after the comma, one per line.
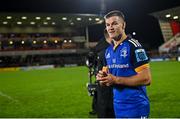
(91,58)
(91,64)
(91,87)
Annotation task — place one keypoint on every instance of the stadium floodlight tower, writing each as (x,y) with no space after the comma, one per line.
(102,13)
(103,8)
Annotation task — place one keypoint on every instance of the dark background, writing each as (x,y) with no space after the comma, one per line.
(136,13)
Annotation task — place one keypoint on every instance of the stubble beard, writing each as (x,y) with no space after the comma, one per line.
(117,38)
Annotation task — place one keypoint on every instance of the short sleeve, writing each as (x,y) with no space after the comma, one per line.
(104,60)
(139,58)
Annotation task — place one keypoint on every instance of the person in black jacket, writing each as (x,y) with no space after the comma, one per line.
(103,99)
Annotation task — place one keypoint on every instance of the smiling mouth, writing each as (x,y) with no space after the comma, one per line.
(111,32)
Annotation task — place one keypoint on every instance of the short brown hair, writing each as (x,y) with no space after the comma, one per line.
(115,13)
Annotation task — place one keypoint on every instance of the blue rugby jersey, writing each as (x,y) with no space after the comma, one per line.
(123,61)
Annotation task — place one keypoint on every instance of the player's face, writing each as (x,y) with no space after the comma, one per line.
(115,27)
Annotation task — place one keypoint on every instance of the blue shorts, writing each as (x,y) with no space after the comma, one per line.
(138,110)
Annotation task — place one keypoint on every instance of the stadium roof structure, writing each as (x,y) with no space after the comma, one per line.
(168,14)
(48,19)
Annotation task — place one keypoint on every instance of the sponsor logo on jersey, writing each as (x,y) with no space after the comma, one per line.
(118,66)
(140,55)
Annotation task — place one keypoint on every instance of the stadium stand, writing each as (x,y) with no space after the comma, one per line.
(169,23)
(44,39)
(171,45)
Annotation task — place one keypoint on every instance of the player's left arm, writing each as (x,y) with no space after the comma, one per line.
(143,77)
(140,62)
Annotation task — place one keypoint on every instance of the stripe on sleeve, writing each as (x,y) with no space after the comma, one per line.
(140,68)
(133,43)
(136,41)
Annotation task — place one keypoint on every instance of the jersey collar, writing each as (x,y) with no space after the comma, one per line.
(119,42)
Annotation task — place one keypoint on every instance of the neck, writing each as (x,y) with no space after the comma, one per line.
(120,39)
(109,40)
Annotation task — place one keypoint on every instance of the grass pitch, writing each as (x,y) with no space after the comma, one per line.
(164,92)
(45,93)
(62,92)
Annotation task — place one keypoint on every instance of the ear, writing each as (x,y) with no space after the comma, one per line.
(124,25)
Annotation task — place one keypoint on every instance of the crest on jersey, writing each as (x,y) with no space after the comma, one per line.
(124,52)
(141,55)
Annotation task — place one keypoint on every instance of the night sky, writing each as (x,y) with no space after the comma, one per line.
(136,13)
